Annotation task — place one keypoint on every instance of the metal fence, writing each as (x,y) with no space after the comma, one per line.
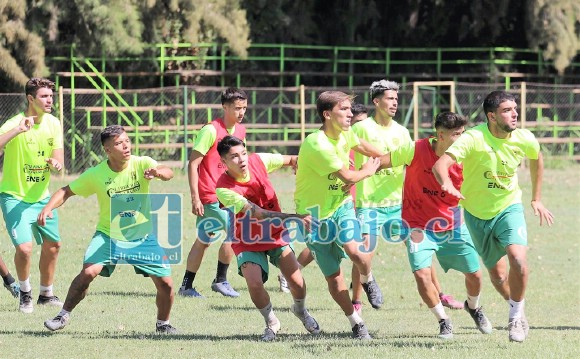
(163,122)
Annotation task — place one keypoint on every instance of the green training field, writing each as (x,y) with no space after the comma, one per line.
(117,318)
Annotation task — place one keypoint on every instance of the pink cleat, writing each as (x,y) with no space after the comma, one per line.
(450,302)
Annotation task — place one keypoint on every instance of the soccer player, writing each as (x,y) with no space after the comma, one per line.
(203,171)
(432,222)
(378,198)
(491,154)
(322,190)
(246,188)
(9,282)
(32,143)
(120,182)
(359,113)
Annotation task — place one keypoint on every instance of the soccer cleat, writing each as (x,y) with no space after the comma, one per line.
(224,288)
(52,301)
(165,329)
(450,302)
(309,322)
(191,292)
(445,329)
(360,331)
(357,306)
(374,294)
(57,323)
(26,302)
(270,332)
(481,321)
(13,288)
(525,325)
(283,283)
(516,330)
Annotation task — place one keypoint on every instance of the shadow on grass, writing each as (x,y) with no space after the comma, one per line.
(556,327)
(118,293)
(302,339)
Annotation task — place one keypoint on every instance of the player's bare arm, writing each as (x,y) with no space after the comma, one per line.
(25,125)
(162,172)
(261,213)
(537,175)
(441,172)
(56,200)
(368,169)
(367,149)
(193,178)
(56,160)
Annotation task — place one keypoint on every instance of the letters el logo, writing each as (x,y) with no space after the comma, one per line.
(157,216)
(166,218)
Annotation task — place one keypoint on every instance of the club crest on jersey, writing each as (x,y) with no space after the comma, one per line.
(51,141)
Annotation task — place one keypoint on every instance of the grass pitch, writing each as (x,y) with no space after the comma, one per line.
(117,318)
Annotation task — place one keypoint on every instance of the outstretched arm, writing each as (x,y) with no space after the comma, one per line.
(57,199)
(441,172)
(349,176)
(162,172)
(367,149)
(291,161)
(537,175)
(260,213)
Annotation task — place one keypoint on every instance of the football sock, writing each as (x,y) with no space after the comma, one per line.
(473,301)
(8,279)
(46,290)
(439,311)
(300,305)
(222,272)
(516,309)
(25,285)
(354,319)
(188,279)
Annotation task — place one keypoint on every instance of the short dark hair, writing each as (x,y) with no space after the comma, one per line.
(110,132)
(449,120)
(35,83)
(358,108)
(328,99)
(232,94)
(494,99)
(228,142)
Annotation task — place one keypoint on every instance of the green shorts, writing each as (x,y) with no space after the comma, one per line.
(381,222)
(326,240)
(492,236)
(214,220)
(261,259)
(145,255)
(454,250)
(20,218)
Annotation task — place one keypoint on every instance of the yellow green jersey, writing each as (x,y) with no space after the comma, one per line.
(26,174)
(318,191)
(490,166)
(114,190)
(384,188)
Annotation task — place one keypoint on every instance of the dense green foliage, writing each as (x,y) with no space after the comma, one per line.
(123,27)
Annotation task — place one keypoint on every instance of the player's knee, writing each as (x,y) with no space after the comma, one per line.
(201,244)
(423,275)
(24,251)
(498,278)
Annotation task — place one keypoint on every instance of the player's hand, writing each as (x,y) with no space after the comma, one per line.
(26,123)
(372,165)
(41,219)
(151,173)
(450,188)
(54,164)
(309,221)
(545,215)
(197,207)
(346,187)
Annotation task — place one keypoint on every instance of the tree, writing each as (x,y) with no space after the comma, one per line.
(111,27)
(21,51)
(555,28)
